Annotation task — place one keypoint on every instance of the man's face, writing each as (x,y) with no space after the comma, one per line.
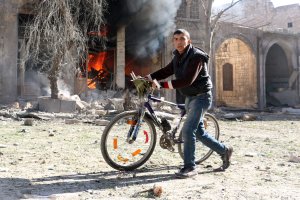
(181,41)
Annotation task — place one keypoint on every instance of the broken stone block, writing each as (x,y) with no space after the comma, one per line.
(91,111)
(109,106)
(75,98)
(48,104)
(87,105)
(294,159)
(112,112)
(3,146)
(100,112)
(286,97)
(101,122)
(291,111)
(5,113)
(71,121)
(28,122)
(232,116)
(80,105)
(15,105)
(118,103)
(248,117)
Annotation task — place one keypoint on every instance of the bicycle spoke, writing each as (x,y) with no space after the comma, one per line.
(123,154)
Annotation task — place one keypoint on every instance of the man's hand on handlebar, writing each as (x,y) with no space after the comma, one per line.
(155,84)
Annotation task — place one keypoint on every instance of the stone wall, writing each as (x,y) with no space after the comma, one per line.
(243,92)
(287,18)
(261,14)
(8,51)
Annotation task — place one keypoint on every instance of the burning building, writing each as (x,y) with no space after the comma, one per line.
(133,39)
(254,60)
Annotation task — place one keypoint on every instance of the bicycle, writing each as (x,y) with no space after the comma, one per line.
(129,140)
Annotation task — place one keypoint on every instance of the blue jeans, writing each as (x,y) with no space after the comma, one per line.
(193,127)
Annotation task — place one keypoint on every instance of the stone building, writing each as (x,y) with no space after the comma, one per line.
(11,83)
(255,54)
(8,51)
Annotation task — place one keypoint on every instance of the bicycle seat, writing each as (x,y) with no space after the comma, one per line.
(181,106)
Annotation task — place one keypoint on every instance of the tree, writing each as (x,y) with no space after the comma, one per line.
(59,32)
(212,21)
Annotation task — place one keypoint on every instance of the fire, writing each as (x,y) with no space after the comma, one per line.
(100,69)
(91,84)
(95,67)
(96,61)
(101,65)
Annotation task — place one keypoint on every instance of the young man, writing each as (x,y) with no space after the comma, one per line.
(192,81)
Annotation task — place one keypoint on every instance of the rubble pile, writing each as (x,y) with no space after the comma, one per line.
(98,108)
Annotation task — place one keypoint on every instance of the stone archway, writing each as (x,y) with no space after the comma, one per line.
(278,72)
(236,74)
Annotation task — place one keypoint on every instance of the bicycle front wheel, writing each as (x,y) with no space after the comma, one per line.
(121,154)
(201,151)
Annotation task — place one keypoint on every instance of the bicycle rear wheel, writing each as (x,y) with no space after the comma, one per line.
(202,152)
(121,154)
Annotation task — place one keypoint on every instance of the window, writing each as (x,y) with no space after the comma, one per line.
(195,13)
(227,77)
(290,24)
(182,10)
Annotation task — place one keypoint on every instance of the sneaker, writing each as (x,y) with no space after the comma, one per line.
(186,172)
(226,158)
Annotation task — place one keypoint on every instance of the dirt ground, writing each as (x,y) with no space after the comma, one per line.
(55,160)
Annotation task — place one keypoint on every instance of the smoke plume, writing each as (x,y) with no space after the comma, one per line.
(147,22)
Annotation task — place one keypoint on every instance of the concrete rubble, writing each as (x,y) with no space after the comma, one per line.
(99,108)
(96,108)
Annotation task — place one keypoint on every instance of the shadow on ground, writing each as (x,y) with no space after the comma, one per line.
(16,188)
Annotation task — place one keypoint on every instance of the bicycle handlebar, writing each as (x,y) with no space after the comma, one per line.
(156,83)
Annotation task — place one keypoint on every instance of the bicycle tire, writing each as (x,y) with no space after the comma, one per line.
(202,152)
(120,154)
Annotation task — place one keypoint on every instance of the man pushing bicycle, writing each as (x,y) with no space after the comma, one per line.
(189,65)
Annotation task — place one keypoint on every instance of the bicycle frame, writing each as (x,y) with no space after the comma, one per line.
(132,134)
(131,151)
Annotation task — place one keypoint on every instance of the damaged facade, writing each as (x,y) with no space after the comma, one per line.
(255,56)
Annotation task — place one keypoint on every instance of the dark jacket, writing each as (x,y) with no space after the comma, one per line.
(190,69)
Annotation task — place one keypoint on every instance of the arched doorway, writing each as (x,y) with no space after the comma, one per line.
(236,74)
(278,73)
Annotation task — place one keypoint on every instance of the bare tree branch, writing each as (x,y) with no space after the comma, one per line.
(60,28)
(204,7)
(215,18)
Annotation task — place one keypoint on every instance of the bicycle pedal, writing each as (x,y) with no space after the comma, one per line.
(171,149)
(178,141)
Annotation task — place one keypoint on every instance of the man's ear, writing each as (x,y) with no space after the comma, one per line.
(190,41)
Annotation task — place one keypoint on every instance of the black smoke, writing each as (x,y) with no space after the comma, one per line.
(147,22)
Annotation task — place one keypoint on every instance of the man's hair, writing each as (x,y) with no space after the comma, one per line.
(182,31)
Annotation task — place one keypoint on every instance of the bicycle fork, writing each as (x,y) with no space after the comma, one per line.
(135,126)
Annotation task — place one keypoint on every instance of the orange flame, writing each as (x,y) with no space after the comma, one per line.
(96,62)
(91,84)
